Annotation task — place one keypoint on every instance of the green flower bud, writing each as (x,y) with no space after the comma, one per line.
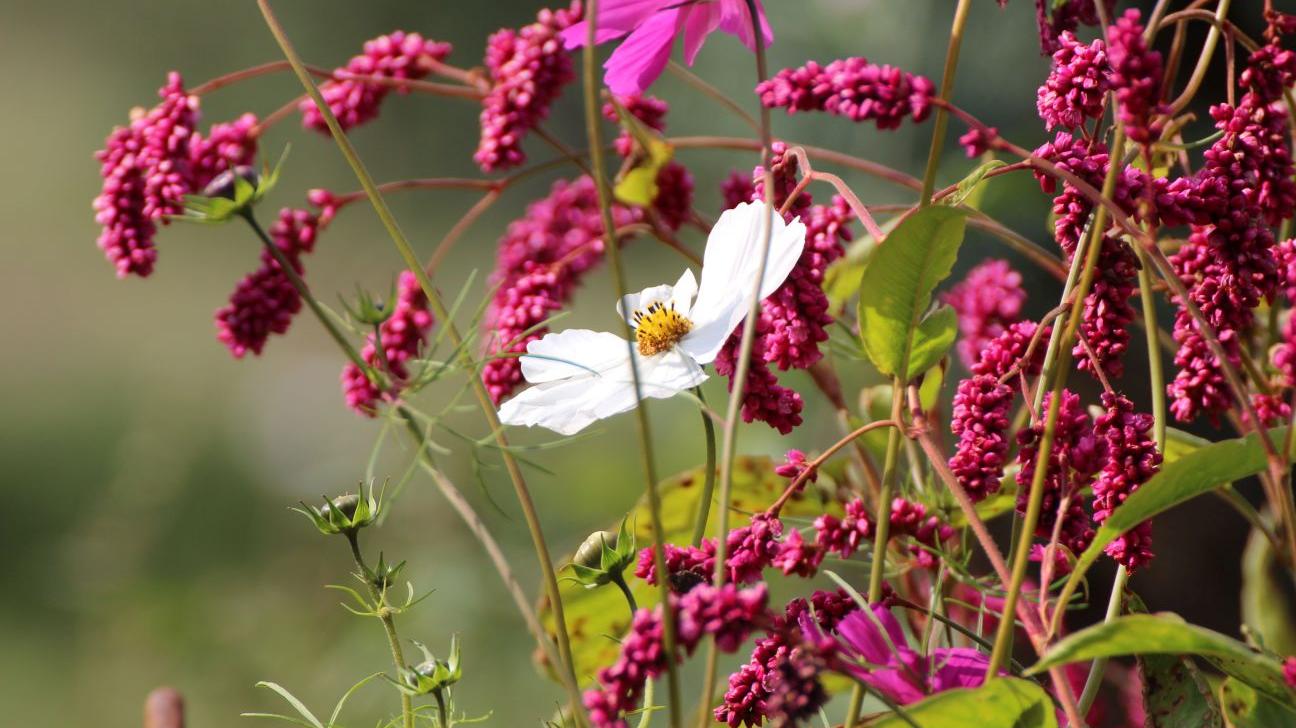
(346,513)
(368,309)
(603,556)
(432,675)
(231,193)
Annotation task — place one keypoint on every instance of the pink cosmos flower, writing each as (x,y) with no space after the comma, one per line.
(649,28)
(896,670)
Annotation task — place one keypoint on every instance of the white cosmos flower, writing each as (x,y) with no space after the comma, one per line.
(580,376)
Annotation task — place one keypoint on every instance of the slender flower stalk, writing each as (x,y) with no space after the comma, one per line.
(942,114)
(566,670)
(709,477)
(729,437)
(385,615)
(594,137)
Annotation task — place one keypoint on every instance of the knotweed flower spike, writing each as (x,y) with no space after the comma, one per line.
(581,376)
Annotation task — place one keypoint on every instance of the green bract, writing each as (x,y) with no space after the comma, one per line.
(432,675)
(231,193)
(346,513)
(603,556)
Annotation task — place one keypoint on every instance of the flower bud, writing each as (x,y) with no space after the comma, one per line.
(370,310)
(432,675)
(603,556)
(224,184)
(346,513)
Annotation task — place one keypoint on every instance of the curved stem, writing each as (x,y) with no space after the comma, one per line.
(1203,61)
(882,523)
(856,704)
(811,466)
(566,670)
(713,93)
(593,131)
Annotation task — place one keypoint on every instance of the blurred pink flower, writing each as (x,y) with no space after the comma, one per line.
(649,28)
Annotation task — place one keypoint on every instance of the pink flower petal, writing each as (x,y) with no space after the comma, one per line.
(640,59)
(616,18)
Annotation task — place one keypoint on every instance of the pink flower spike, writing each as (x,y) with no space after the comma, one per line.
(649,29)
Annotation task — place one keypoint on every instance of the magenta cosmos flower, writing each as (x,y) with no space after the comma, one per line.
(649,28)
(891,667)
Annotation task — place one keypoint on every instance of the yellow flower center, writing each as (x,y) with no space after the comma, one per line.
(659,327)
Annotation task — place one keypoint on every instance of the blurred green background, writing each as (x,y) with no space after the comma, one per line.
(145,530)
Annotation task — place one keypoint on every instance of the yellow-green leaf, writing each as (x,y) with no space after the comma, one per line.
(1005,702)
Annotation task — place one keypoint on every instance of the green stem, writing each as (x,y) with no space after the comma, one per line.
(384,613)
(441,710)
(593,130)
(566,670)
(882,527)
(729,437)
(708,482)
(620,581)
(1094,681)
(947,88)
(855,706)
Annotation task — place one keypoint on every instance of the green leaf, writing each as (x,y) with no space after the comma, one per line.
(1190,475)
(970,184)
(934,337)
(1180,443)
(896,288)
(843,277)
(1168,634)
(293,701)
(1245,708)
(1175,695)
(1004,702)
(1267,590)
(596,618)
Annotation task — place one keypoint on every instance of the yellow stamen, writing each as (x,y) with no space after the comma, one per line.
(659,327)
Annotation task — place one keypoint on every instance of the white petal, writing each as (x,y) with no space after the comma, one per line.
(572,353)
(668,373)
(681,294)
(566,406)
(729,269)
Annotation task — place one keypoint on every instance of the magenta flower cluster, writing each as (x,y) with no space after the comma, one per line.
(396,57)
(853,88)
(1074,91)
(793,320)
(988,299)
(528,69)
(265,302)
(1132,459)
(727,613)
(402,337)
(149,166)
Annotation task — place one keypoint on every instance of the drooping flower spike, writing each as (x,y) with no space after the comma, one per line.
(650,27)
(581,376)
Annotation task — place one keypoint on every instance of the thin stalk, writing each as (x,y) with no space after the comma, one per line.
(700,84)
(566,670)
(1094,681)
(855,706)
(882,527)
(593,131)
(441,710)
(1204,60)
(947,87)
(384,613)
(1021,556)
(729,437)
(709,479)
